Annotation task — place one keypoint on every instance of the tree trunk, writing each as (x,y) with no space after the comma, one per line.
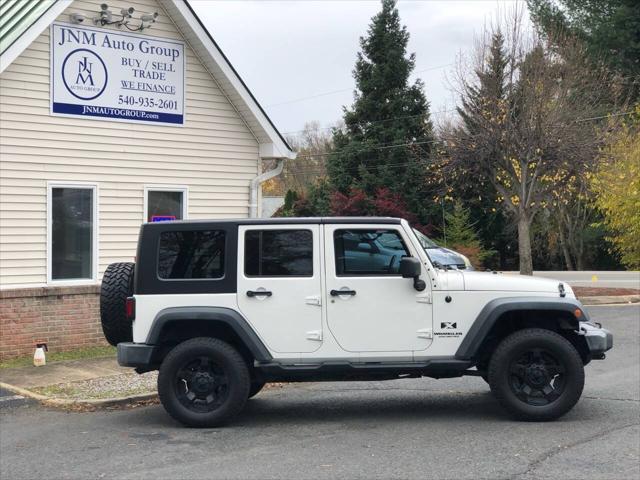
(565,250)
(524,244)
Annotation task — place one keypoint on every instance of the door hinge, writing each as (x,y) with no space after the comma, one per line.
(423,298)
(315,335)
(313,300)
(425,333)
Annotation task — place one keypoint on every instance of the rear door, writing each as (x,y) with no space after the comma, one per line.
(370,307)
(279,288)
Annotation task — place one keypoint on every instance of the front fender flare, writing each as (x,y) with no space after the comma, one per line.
(493,310)
(226,316)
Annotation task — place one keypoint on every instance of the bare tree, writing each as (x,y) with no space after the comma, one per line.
(526,124)
(312,146)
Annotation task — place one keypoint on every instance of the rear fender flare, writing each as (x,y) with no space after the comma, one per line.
(226,316)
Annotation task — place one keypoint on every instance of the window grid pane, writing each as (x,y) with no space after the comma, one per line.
(164,203)
(71,233)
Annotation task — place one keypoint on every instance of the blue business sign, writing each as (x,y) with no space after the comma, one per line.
(104,74)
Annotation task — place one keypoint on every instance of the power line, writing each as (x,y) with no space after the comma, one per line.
(620,114)
(448,110)
(333,92)
(379,147)
(367,149)
(372,122)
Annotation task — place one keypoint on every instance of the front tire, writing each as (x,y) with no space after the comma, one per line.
(203,382)
(536,374)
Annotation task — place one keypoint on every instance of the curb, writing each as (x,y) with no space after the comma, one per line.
(82,402)
(610,300)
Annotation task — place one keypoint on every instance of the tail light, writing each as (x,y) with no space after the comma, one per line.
(130,308)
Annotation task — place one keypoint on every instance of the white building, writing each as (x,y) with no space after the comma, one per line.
(104,125)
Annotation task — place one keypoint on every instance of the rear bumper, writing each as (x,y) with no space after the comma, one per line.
(137,355)
(599,340)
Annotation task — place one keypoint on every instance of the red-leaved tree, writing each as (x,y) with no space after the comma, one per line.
(384,203)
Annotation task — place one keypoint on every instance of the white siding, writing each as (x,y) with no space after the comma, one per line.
(214,154)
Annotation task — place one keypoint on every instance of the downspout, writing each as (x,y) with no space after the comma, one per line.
(255,184)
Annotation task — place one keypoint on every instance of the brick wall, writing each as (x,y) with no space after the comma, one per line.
(63,317)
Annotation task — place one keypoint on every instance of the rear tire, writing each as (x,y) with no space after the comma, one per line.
(203,382)
(536,374)
(256,387)
(117,285)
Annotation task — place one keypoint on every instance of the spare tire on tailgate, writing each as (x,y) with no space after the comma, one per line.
(117,285)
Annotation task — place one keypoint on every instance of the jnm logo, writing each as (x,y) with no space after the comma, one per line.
(84,72)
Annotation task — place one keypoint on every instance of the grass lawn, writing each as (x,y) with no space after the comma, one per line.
(78,354)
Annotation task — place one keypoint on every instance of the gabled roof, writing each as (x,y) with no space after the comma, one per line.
(21,21)
(16,16)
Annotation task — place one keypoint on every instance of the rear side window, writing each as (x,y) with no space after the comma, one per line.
(368,252)
(278,253)
(191,254)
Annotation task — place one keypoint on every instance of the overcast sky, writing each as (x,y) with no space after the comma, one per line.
(288,51)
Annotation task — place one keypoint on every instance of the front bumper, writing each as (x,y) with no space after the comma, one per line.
(138,355)
(599,339)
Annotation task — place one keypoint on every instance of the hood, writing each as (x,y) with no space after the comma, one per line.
(489,281)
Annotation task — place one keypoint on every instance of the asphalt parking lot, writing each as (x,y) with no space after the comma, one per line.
(399,429)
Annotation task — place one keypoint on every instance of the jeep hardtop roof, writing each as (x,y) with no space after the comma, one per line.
(276,221)
(146,278)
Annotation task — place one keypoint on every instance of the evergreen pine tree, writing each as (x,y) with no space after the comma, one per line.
(387,111)
(461,235)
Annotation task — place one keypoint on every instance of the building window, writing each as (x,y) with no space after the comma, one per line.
(191,255)
(368,252)
(165,203)
(72,232)
(278,253)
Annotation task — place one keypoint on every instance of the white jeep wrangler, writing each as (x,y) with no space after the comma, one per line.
(220,307)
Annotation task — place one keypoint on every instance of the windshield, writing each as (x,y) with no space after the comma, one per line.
(425,241)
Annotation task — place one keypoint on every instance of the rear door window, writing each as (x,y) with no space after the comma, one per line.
(278,253)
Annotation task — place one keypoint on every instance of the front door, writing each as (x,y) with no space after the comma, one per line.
(371,308)
(279,285)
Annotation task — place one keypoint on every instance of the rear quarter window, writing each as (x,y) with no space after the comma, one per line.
(189,255)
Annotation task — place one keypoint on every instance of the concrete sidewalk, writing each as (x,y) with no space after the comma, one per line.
(61,372)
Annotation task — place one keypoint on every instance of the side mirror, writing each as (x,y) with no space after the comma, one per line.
(410,268)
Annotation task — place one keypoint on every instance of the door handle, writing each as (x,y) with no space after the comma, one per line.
(335,293)
(259,293)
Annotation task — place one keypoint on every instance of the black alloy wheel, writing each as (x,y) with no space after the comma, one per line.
(536,374)
(203,382)
(201,385)
(537,377)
